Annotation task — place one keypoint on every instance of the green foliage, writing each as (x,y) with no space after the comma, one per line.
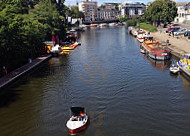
(161,11)
(123,19)
(132,22)
(102,6)
(24,28)
(147,27)
(75,13)
(116,6)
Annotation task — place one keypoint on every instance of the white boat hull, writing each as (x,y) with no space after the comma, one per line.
(174,70)
(77,126)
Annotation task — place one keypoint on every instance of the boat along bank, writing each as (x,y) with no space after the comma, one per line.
(177,46)
(149,46)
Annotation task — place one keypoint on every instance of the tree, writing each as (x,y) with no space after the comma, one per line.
(161,11)
(75,13)
(123,19)
(24,26)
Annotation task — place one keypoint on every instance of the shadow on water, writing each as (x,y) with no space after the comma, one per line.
(8,96)
(186,80)
(174,75)
(159,65)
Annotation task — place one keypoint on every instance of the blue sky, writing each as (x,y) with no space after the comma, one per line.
(73,2)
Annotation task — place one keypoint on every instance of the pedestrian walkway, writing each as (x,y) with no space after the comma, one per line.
(21,71)
(179,45)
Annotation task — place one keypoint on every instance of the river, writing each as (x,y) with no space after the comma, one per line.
(124,92)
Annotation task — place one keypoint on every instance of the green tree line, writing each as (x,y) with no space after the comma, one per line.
(25,25)
(160,12)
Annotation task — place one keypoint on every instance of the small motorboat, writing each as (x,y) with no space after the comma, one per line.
(93,25)
(56,49)
(78,121)
(112,24)
(141,36)
(174,69)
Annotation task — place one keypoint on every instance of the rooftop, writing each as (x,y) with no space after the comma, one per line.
(182,3)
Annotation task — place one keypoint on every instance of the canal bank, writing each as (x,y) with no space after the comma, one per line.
(178,45)
(16,74)
(119,87)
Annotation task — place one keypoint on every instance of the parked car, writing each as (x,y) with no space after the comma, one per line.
(172,29)
(180,31)
(175,24)
(186,33)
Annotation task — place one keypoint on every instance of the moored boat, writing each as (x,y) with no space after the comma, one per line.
(56,50)
(184,64)
(174,69)
(93,25)
(142,50)
(78,121)
(69,47)
(141,36)
(155,51)
(103,25)
(48,45)
(112,24)
(159,54)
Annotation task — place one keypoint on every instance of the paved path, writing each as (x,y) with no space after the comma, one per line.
(22,70)
(179,44)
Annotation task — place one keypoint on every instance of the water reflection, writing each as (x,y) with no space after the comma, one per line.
(159,65)
(8,96)
(186,80)
(127,95)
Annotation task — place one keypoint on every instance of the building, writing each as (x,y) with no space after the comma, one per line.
(183,12)
(108,11)
(132,9)
(110,5)
(89,8)
(107,14)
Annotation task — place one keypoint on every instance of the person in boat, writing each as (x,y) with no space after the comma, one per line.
(74,118)
(81,115)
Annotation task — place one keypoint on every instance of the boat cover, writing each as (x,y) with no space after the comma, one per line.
(77,110)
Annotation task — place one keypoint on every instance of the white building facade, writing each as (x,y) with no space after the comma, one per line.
(89,8)
(183,12)
(132,9)
(108,12)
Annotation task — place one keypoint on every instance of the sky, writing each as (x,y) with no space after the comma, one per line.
(73,2)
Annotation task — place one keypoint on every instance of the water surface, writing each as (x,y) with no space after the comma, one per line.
(125,93)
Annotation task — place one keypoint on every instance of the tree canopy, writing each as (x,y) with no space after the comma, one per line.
(25,25)
(74,12)
(161,11)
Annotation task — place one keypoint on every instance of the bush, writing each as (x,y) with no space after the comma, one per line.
(148,27)
(132,22)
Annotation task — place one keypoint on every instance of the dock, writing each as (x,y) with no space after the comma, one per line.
(14,75)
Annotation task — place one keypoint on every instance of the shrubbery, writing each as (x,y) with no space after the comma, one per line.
(24,26)
(148,27)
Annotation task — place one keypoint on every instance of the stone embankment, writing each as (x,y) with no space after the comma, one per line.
(14,75)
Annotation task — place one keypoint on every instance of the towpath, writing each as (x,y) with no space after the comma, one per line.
(21,71)
(179,45)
